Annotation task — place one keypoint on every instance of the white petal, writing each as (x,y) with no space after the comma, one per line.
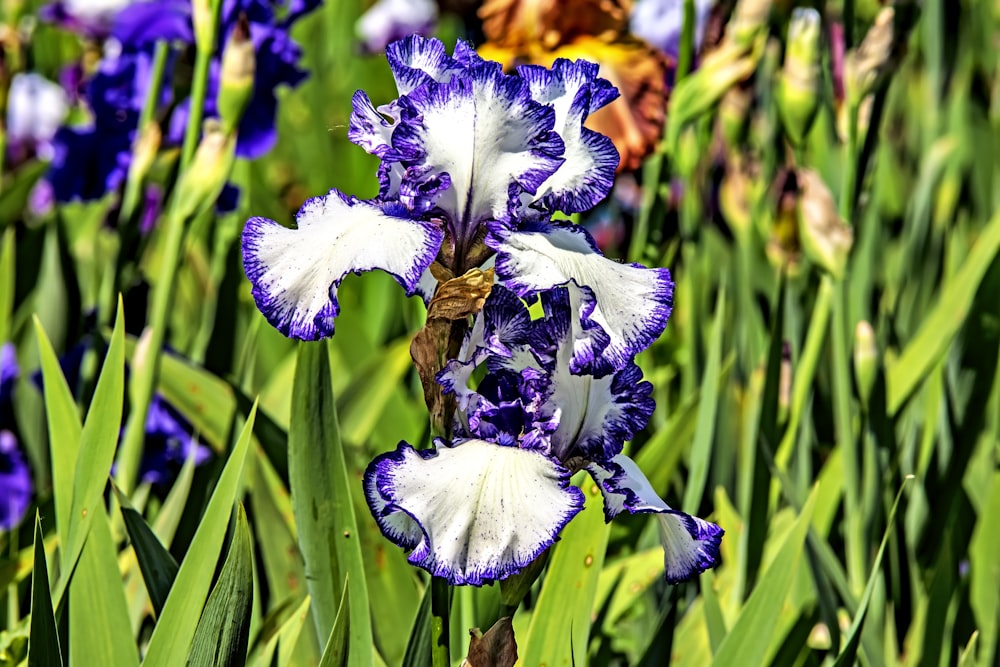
(295,272)
(690,544)
(623,307)
(484,133)
(472,513)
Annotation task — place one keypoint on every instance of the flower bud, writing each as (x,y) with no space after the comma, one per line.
(144,151)
(236,79)
(749,20)
(797,94)
(201,183)
(865,361)
(825,238)
(734,112)
(204,18)
(879,52)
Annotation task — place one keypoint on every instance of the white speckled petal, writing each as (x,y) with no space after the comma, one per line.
(471,513)
(295,272)
(690,544)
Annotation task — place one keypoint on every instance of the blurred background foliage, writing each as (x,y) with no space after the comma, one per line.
(837,414)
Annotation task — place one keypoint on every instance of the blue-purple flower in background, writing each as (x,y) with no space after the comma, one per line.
(484,506)
(16,485)
(169,442)
(660,23)
(91,18)
(92,159)
(474,164)
(389,20)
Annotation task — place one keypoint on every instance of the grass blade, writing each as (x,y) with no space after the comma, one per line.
(849,654)
(158,567)
(99,628)
(748,640)
(43,641)
(223,633)
(321,500)
(336,652)
(176,627)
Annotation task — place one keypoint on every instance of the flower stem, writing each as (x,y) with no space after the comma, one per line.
(440,611)
(146,360)
(199,87)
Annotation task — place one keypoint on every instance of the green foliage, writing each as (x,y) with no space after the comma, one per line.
(831,556)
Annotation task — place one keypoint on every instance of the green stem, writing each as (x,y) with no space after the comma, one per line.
(133,184)
(440,607)
(199,88)
(805,370)
(847,443)
(685,55)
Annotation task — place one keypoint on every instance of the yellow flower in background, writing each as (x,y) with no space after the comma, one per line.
(540,31)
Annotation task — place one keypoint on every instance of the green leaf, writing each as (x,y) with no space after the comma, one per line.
(223,633)
(288,635)
(17,190)
(43,642)
(98,441)
(943,322)
(175,629)
(157,565)
(64,432)
(321,499)
(984,588)
(748,640)
(701,450)
(418,648)
(99,628)
(336,652)
(560,624)
(8,276)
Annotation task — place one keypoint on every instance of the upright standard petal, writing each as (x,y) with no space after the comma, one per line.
(690,544)
(485,134)
(295,272)
(417,60)
(574,91)
(623,307)
(471,513)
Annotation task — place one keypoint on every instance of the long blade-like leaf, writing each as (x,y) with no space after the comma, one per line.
(223,633)
(175,629)
(336,652)
(321,500)
(158,567)
(43,641)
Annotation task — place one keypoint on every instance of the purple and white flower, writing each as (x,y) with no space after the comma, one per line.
(474,164)
(388,20)
(482,507)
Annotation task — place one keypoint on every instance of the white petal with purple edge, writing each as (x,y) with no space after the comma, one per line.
(472,513)
(415,60)
(574,91)
(295,272)
(690,544)
(482,130)
(623,307)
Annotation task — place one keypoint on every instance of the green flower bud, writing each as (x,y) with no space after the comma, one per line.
(236,79)
(865,361)
(144,151)
(825,238)
(204,17)
(200,184)
(797,94)
(734,112)
(749,20)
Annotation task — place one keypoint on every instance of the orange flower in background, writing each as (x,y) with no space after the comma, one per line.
(540,31)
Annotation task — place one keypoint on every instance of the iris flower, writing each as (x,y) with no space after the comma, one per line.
(474,163)
(484,506)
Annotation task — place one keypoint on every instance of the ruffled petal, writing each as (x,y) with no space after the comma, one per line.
(574,91)
(483,131)
(295,272)
(417,60)
(690,545)
(623,308)
(389,20)
(371,128)
(472,513)
(595,415)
